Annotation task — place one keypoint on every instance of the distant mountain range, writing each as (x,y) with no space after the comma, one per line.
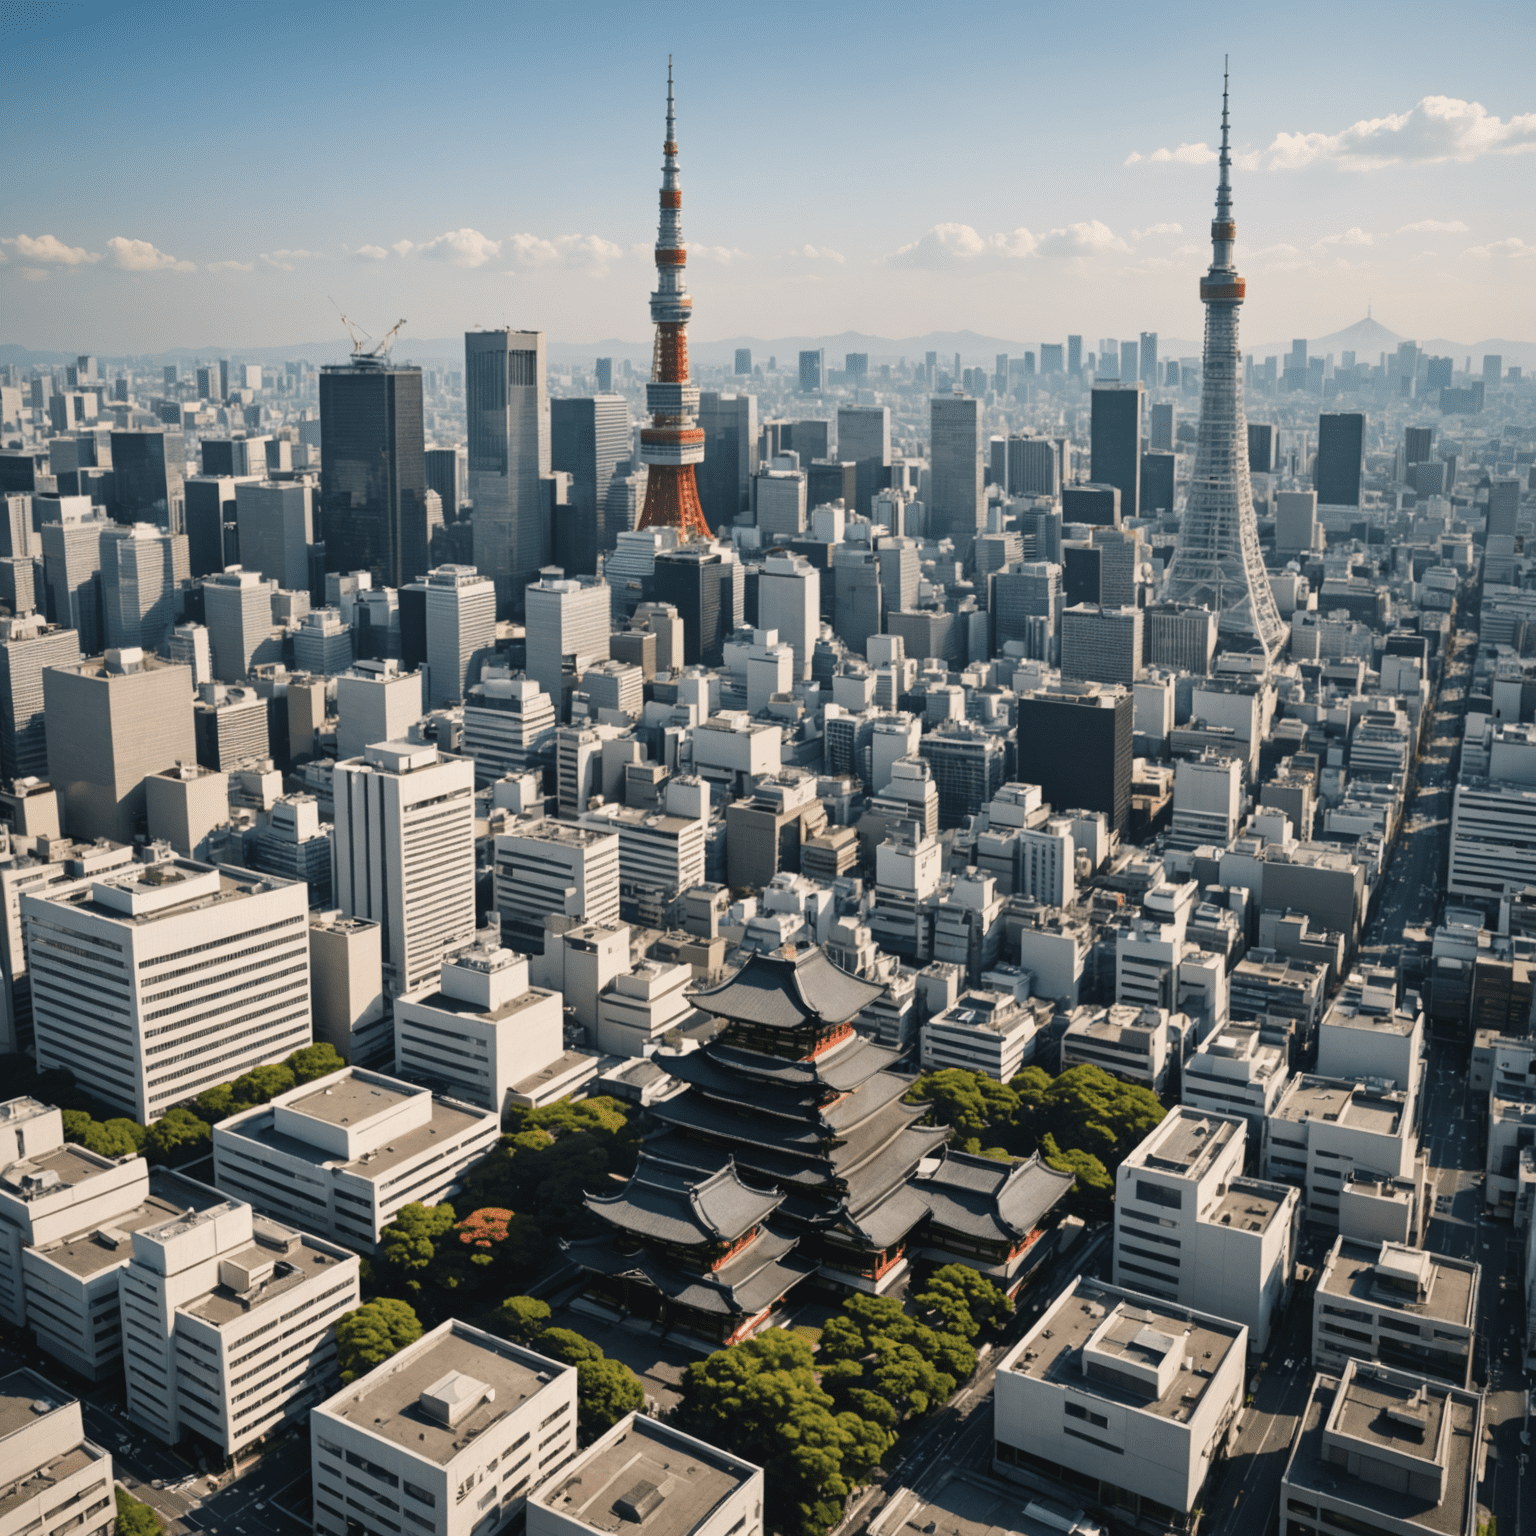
(1367,338)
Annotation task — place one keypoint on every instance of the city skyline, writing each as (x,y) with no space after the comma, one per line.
(1376,174)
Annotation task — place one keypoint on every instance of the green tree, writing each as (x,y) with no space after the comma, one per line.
(409,1244)
(1094,1192)
(110,1138)
(524,1318)
(217,1103)
(1085,1109)
(317,1060)
(987,1303)
(372,1333)
(260,1085)
(977,1106)
(177,1136)
(567,1346)
(605,1391)
(135,1518)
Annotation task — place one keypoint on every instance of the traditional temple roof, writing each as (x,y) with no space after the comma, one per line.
(888,1221)
(796,988)
(747,1283)
(670,1203)
(979,1197)
(839,1069)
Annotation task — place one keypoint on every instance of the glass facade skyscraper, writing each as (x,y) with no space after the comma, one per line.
(589,438)
(373,478)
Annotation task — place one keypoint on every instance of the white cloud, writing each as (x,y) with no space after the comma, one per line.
(52,250)
(231,266)
(1185,154)
(1436,128)
(1355,236)
(946,246)
(141,256)
(1157,229)
(371,253)
(820,253)
(1091,239)
(284,260)
(1511,249)
(463,247)
(1434,227)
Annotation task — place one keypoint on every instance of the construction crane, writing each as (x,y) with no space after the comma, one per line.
(360,338)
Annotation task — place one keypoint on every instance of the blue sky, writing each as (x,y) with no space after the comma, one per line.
(198,175)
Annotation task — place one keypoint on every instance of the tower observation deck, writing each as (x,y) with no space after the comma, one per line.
(1217,563)
(674,442)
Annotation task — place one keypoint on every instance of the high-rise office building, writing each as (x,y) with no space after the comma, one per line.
(1217,562)
(1051,359)
(461,630)
(1261,448)
(1101,644)
(811,439)
(72,566)
(1340,458)
(724,479)
(1115,446)
(698,580)
(447,475)
(142,566)
(856,368)
(1031,466)
(405,853)
(373,473)
(1130,361)
(376,701)
(149,467)
(864,437)
(162,1030)
(507,410)
(1157,482)
(1493,370)
(1162,426)
(1181,638)
(237,608)
(276,526)
(789,600)
(1025,604)
(1074,356)
(570,620)
(1418,444)
(28,644)
(958,506)
(743,361)
(552,868)
(813,371)
(589,437)
(1075,743)
(212,527)
(602,374)
(110,722)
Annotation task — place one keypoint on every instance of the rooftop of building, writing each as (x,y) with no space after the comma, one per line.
(1406,1279)
(110,1243)
(568,833)
(166,891)
(281,1260)
(646,1478)
(438,1395)
(46,1173)
(1338,1099)
(351,1099)
(1251,1205)
(443,1002)
(1119,1021)
(1187,1142)
(24,1397)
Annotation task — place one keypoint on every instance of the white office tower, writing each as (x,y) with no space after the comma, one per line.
(276,525)
(71,545)
(322,644)
(1045,867)
(630,565)
(141,569)
(509,724)
(28,645)
(458,1423)
(663,621)
(339,1156)
(55,1478)
(184,804)
(507,411)
(461,630)
(481,1029)
(217,1298)
(1190,1228)
(213,980)
(957,506)
(781,497)
(789,600)
(405,853)
(346,975)
(189,648)
(375,701)
(237,605)
(1207,800)
(110,722)
(552,869)
(569,620)
(1217,563)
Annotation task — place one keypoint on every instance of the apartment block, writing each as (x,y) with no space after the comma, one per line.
(1190,1228)
(192,975)
(481,1030)
(1236,1073)
(229,1323)
(989,1032)
(452,1431)
(52,1478)
(1134,1043)
(550,868)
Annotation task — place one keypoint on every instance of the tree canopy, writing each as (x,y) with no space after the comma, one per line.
(312,1061)
(606,1390)
(136,1518)
(371,1334)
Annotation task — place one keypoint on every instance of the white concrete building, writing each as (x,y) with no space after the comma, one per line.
(1235,1073)
(650,1479)
(376,702)
(461,630)
(229,1323)
(638,1007)
(1366,1035)
(660,852)
(238,605)
(789,601)
(550,868)
(1122,1399)
(1493,838)
(482,1029)
(193,976)
(1207,801)
(53,1478)
(405,853)
(1133,1043)
(1045,866)
(1405,1307)
(509,724)
(1190,1228)
(569,620)
(453,1431)
(983,1031)
(346,973)
(322,643)
(342,1154)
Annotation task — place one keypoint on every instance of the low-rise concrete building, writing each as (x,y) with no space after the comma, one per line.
(1367,1035)
(342,1154)
(52,1478)
(1407,1308)
(453,1431)
(1236,1073)
(1120,1399)
(1134,1043)
(989,1032)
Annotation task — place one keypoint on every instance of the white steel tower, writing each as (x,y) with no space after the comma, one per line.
(1217,563)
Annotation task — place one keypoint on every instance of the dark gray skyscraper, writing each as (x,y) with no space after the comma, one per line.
(1340,458)
(864,436)
(148,474)
(1115,445)
(1149,359)
(445,475)
(813,371)
(373,478)
(507,410)
(588,435)
(724,478)
(958,507)
(1074,355)
(743,360)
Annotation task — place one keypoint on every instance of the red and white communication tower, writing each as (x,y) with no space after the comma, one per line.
(674,442)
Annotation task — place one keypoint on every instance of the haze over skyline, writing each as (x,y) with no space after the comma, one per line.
(1007,170)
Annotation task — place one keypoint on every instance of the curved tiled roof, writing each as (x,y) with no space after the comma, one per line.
(979,1197)
(675,1204)
(796,988)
